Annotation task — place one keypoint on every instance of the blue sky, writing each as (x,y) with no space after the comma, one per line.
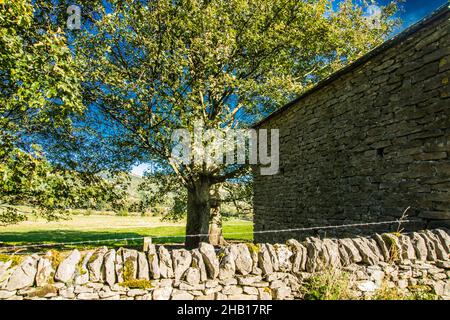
(411,12)
(414,10)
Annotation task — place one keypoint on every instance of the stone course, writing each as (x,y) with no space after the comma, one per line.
(238,271)
(365,145)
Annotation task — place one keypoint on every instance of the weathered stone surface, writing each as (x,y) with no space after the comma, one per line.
(181,295)
(197,262)
(82,272)
(441,252)
(444,237)
(153,262)
(67,267)
(181,262)
(366,253)
(119,265)
(5,294)
(281,293)
(109,267)
(273,257)
(165,263)
(130,264)
(143,272)
(163,293)
(420,246)
(243,258)
(317,256)
(210,259)
(88,296)
(408,252)
(299,255)
(227,268)
(264,260)
(284,257)
(368,286)
(95,265)
(352,251)
(333,252)
(431,250)
(192,276)
(45,272)
(383,247)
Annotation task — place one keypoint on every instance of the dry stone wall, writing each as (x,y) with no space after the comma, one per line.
(367,144)
(239,271)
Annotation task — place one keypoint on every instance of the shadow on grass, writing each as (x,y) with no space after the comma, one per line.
(173,236)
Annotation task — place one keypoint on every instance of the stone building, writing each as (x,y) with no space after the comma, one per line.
(366,143)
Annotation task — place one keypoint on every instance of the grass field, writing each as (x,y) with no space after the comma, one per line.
(101,228)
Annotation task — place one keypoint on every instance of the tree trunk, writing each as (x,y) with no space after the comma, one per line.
(198,213)
(215,226)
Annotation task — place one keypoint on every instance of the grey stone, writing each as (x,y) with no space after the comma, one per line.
(109,267)
(143,272)
(181,295)
(283,256)
(165,263)
(420,246)
(153,262)
(408,252)
(181,262)
(5,294)
(163,293)
(192,276)
(441,252)
(367,255)
(82,272)
(383,247)
(444,237)
(130,264)
(24,275)
(333,252)
(197,262)
(352,251)
(264,260)
(45,272)
(243,258)
(95,265)
(210,259)
(227,266)
(119,265)
(431,250)
(299,255)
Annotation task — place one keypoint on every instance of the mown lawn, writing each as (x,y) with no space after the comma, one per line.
(108,230)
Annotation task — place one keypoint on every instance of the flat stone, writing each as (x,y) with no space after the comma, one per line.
(95,265)
(210,259)
(5,294)
(109,268)
(24,275)
(197,262)
(192,276)
(153,262)
(419,246)
(88,296)
(367,286)
(352,251)
(264,260)
(300,255)
(243,259)
(181,295)
(227,267)
(163,293)
(143,272)
(165,263)
(67,267)
(181,262)
(45,272)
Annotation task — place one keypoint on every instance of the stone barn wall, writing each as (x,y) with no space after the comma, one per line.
(367,143)
(412,263)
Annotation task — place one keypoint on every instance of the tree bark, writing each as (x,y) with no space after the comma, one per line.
(198,213)
(215,226)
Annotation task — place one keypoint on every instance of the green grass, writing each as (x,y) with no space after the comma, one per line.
(103,227)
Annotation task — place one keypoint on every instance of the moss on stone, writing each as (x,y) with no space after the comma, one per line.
(55,258)
(41,292)
(136,284)
(15,260)
(128,270)
(254,248)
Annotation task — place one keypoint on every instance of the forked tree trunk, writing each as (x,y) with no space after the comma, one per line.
(198,213)
(215,226)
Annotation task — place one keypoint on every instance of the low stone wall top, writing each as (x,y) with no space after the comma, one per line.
(238,271)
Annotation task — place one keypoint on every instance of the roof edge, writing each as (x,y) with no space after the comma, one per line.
(435,15)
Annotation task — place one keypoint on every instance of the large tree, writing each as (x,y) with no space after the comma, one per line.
(40,94)
(154,66)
